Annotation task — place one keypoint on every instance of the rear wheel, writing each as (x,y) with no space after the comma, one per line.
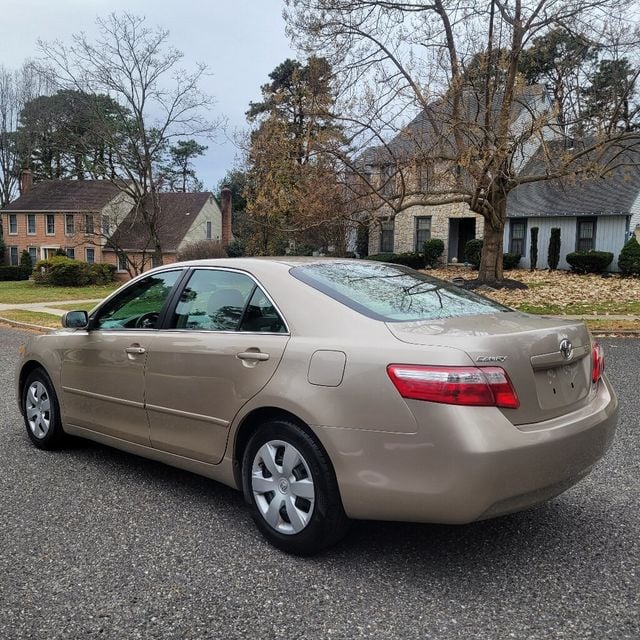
(41,411)
(290,485)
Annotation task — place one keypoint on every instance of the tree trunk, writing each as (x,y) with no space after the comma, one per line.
(491,260)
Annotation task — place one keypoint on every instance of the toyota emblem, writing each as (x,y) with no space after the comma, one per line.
(566,349)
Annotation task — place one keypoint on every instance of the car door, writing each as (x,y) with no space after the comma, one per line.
(103,366)
(223,342)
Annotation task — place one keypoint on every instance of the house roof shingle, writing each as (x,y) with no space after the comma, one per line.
(65,195)
(177,213)
(612,194)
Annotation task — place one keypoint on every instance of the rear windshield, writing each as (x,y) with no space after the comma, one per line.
(392,293)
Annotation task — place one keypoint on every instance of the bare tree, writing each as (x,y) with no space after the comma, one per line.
(17,88)
(159,102)
(452,70)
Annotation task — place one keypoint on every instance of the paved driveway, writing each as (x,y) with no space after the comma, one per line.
(99,544)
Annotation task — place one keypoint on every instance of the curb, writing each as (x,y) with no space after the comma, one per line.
(25,325)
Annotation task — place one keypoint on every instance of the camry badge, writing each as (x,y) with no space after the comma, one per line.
(566,349)
(491,358)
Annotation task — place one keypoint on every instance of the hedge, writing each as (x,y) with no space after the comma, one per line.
(589,261)
(13,273)
(409,259)
(432,250)
(66,272)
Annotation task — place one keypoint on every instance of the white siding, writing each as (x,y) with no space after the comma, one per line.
(210,212)
(611,233)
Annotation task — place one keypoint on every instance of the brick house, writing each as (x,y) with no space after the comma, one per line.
(94,221)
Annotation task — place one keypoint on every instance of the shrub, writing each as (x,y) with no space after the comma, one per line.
(201,249)
(473,252)
(409,259)
(510,260)
(589,261)
(382,257)
(101,273)
(432,249)
(13,273)
(553,257)
(629,259)
(61,271)
(534,248)
(236,249)
(25,261)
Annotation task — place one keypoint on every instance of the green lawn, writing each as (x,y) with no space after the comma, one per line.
(32,317)
(74,306)
(26,291)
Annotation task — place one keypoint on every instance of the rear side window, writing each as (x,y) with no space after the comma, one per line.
(392,293)
(217,300)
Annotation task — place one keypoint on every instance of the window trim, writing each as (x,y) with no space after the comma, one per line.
(392,222)
(86,258)
(66,225)
(46,224)
(87,217)
(579,221)
(17,262)
(416,248)
(35,224)
(524,236)
(14,217)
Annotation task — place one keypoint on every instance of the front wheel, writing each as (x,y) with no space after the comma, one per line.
(291,488)
(41,411)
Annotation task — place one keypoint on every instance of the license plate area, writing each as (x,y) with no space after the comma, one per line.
(563,385)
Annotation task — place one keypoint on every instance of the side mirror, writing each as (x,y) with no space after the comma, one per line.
(75,320)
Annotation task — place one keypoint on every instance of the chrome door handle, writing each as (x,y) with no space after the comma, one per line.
(135,350)
(253,355)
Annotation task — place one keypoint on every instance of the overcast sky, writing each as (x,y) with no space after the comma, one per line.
(241,41)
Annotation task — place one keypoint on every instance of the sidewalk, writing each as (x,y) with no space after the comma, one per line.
(50,307)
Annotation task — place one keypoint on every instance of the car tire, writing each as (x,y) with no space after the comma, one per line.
(291,488)
(41,411)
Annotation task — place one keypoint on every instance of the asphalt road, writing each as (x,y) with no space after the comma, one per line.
(95,543)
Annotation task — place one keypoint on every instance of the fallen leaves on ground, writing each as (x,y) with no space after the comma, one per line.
(561,291)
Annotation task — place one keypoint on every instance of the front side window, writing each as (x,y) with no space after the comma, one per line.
(69,224)
(423,232)
(33,254)
(386,236)
(88,224)
(392,293)
(51,224)
(13,223)
(517,236)
(216,300)
(31,224)
(90,255)
(139,305)
(586,234)
(13,256)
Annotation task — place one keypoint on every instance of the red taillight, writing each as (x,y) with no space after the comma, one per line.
(474,386)
(597,362)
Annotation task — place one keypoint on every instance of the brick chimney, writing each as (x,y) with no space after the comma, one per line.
(26,181)
(227,234)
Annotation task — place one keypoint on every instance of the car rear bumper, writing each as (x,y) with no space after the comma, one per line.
(467,463)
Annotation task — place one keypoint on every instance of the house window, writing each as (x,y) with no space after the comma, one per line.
(51,224)
(122,262)
(33,253)
(14,261)
(422,177)
(155,261)
(423,231)
(69,224)
(88,224)
(31,224)
(71,252)
(386,236)
(106,225)
(208,230)
(13,224)
(586,234)
(518,236)
(90,255)
(388,177)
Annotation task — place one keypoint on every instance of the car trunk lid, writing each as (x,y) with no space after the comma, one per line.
(547,359)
